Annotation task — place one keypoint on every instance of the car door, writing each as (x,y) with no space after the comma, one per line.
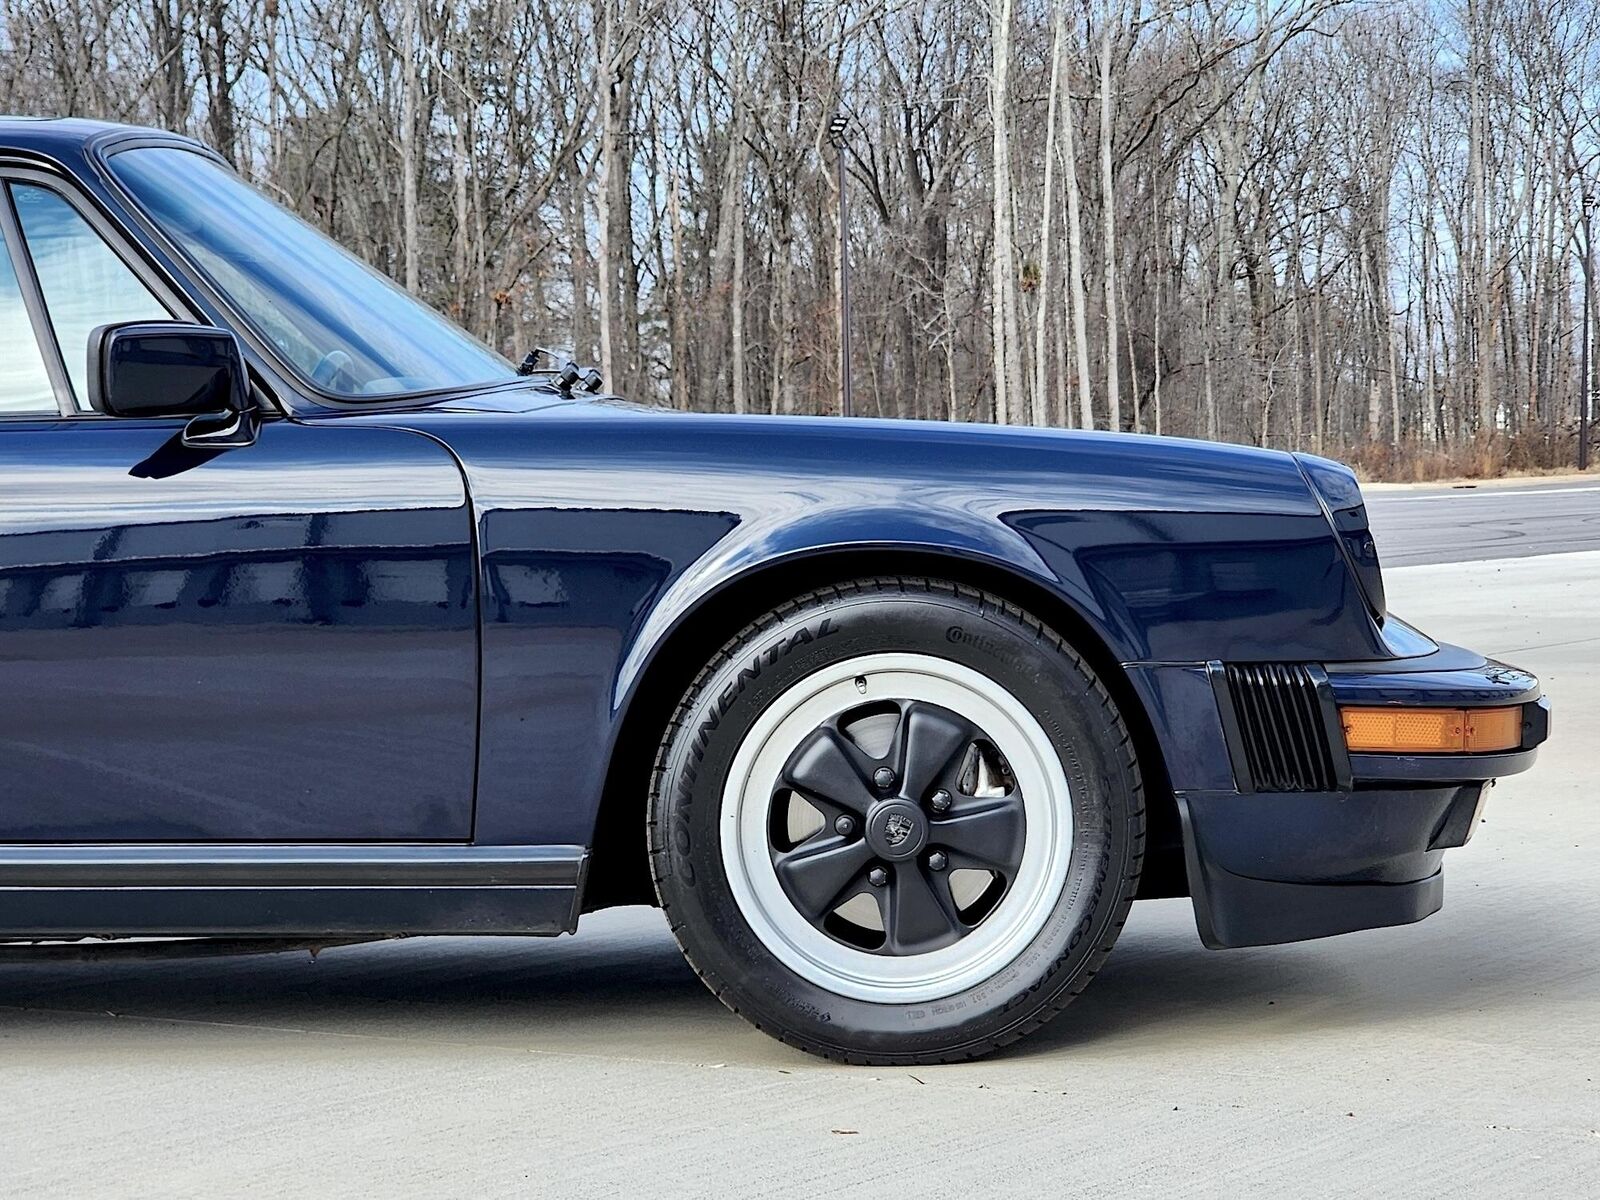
(270,643)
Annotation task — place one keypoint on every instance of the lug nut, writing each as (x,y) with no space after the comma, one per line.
(877,877)
(940,801)
(884,778)
(937,861)
(844,826)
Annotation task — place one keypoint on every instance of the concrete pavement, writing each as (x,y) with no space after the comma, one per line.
(1452,1058)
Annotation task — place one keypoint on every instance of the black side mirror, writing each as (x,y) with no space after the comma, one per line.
(168,369)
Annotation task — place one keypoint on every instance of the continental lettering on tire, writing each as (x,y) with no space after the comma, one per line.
(702,736)
(681,842)
(770,654)
(962,636)
(715,712)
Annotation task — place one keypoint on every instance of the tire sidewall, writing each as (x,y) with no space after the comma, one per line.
(765,663)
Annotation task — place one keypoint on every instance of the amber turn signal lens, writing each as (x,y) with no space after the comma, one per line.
(1431,730)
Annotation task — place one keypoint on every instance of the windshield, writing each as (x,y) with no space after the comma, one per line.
(340,324)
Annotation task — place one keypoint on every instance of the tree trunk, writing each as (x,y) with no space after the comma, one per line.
(575,219)
(1108,209)
(1041,395)
(618,277)
(741,399)
(1077,303)
(680,301)
(408,142)
(1481,258)
(1007,351)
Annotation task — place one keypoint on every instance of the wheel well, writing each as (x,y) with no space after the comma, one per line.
(619,869)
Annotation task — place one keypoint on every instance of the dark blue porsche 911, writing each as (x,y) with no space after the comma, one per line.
(321,622)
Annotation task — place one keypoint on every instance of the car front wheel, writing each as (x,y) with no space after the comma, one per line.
(897,821)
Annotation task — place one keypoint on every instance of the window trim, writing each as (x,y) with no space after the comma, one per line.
(55,368)
(44,331)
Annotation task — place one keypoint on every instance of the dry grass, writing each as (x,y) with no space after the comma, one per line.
(1529,453)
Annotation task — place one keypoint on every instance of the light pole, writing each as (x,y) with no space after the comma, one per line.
(836,128)
(1588,328)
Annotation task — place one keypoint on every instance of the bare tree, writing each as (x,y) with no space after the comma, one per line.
(1348,226)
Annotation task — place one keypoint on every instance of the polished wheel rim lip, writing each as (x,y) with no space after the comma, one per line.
(1002,935)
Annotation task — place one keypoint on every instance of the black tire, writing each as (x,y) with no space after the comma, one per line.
(924,617)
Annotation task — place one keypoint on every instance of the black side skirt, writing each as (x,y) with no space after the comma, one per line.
(293,891)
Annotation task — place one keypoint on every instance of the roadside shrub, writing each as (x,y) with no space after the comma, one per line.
(1527,452)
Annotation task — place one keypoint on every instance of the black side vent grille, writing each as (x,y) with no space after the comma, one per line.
(1282,731)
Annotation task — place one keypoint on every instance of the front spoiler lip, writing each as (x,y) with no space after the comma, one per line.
(1235,910)
(1271,867)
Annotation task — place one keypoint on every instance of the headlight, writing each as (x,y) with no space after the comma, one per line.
(1334,484)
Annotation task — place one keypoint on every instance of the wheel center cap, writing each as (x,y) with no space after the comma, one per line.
(896,829)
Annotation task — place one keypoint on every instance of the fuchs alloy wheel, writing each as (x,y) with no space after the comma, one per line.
(891,827)
(897,821)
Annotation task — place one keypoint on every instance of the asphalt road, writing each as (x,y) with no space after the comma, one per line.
(1482,521)
(1453,1058)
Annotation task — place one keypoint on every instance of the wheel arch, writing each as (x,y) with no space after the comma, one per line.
(618,870)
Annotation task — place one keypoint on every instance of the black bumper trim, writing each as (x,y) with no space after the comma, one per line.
(1438,768)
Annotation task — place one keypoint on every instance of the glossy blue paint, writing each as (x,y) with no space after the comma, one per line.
(604,525)
(274,643)
(428,619)
(1181,703)
(1478,684)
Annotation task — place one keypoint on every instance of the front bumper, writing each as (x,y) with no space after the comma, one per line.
(1362,846)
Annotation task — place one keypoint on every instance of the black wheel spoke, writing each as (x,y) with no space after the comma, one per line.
(817,872)
(929,742)
(989,832)
(829,767)
(896,827)
(918,913)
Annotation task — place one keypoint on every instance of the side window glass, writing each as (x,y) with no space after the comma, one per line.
(84,282)
(24,386)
